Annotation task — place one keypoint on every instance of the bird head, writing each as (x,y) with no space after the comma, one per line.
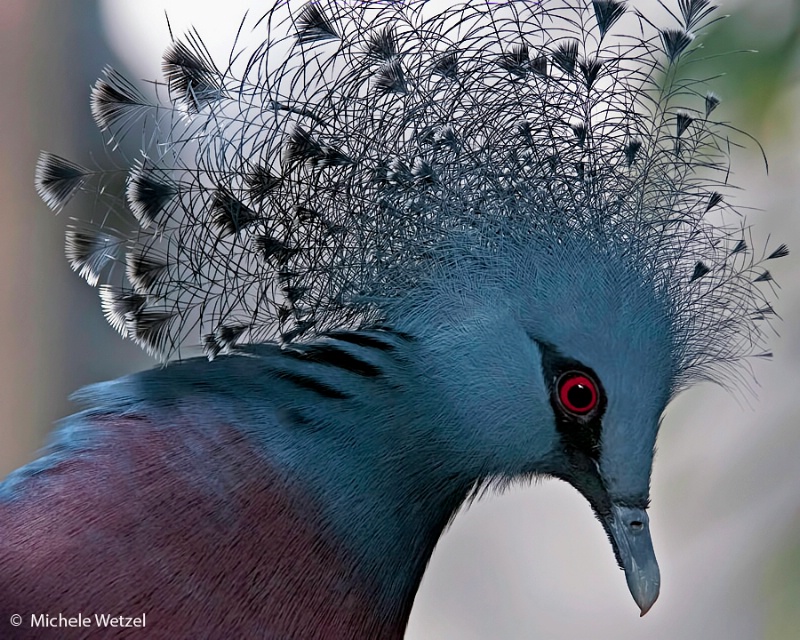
(562,371)
(605,340)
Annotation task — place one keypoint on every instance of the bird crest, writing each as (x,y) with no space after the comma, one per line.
(314,177)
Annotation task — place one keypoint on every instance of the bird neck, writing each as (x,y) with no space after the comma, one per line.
(375,471)
(387,534)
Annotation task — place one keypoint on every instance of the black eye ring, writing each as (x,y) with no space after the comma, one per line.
(577,393)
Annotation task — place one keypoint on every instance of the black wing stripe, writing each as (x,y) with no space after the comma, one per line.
(361,340)
(306,382)
(332,355)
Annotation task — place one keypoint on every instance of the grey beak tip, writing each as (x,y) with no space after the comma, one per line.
(643,589)
(645,606)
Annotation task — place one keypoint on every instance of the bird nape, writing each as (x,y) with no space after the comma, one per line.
(425,252)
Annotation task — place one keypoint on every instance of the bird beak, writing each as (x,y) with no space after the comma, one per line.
(629,529)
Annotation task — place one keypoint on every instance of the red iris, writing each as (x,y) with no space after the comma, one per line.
(577,393)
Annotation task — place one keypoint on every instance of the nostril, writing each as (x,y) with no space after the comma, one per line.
(637,525)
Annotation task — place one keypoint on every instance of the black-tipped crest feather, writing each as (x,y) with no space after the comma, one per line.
(115,99)
(57,179)
(150,195)
(607,12)
(314,26)
(89,251)
(191,75)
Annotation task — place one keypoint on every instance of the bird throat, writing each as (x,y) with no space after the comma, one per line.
(386,548)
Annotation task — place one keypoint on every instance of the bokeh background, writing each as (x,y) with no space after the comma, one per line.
(531,563)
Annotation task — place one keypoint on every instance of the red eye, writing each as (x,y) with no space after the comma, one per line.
(577,393)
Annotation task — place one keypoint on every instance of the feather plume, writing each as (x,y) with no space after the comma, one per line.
(286,196)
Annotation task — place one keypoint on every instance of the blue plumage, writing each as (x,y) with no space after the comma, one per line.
(424,254)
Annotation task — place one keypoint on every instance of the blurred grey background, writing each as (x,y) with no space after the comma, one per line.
(531,563)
